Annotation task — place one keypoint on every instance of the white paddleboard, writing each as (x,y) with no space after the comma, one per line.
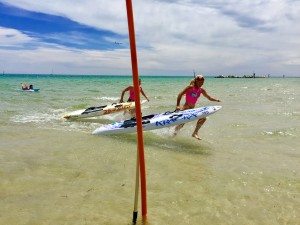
(100,110)
(157,121)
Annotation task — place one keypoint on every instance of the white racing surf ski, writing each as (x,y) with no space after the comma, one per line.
(101,110)
(158,121)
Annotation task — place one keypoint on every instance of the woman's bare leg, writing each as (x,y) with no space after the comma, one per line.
(200,122)
(177,128)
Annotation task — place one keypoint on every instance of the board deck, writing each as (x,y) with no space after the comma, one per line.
(157,121)
(101,110)
(31,90)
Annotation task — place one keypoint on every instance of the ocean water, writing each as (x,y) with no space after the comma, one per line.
(246,170)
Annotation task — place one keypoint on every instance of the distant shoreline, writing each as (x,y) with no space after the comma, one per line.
(244,76)
(142,76)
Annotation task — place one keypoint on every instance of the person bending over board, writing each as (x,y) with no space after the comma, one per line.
(24,86)
(131,95)
(192,92)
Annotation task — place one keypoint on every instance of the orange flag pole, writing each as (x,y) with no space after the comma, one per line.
(137,106)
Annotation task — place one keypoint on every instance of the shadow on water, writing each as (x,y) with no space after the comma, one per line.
(169,143)
(90,120)
(160,139)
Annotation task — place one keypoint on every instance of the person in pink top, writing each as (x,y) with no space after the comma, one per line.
(131,95)
(192,92)
(25,86)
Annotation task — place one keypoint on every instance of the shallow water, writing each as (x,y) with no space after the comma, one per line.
(244,171)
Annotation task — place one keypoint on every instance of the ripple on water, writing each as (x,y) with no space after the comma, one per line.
(280,133)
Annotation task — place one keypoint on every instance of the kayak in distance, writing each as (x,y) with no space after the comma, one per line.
(31,90)
(25,87)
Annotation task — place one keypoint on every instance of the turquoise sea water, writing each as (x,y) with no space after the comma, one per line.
(244,171)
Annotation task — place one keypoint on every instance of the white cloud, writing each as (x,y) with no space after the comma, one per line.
(13,38)
(175,37)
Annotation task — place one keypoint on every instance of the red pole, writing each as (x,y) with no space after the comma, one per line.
(138,112)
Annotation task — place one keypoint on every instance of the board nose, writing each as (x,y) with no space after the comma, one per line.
(218,107)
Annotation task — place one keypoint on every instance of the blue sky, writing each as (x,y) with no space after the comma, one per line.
(173,37)
(55,29)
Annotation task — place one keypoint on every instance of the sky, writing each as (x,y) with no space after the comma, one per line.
(173,37)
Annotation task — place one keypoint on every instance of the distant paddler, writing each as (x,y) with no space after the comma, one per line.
(26,87)
(30,88)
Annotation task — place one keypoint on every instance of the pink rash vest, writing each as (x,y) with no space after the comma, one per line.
(131,94)
(192,96)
